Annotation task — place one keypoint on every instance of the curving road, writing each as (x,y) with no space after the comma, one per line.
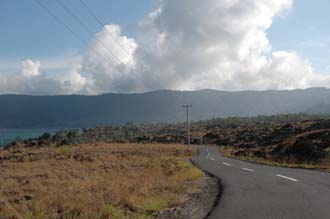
(254,191)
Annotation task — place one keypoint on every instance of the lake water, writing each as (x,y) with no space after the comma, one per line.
(9,135)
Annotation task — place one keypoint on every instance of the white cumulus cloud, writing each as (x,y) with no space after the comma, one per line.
(189,44)
(31,80)
(72,81)
(30,68)
(182,45)
(110,61)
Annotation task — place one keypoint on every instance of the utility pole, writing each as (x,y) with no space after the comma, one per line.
(1,139)
(188,125)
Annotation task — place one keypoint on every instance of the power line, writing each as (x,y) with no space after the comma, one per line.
(60,21)
(102,25)
(68,28)
(89,31)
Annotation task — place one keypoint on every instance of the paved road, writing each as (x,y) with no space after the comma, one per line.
(262,192)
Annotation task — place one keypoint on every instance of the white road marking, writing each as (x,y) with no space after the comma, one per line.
(289,178)
(248,169)
(212,159)
(227,164)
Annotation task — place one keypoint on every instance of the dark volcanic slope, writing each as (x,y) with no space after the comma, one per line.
(302,143)
(76,111)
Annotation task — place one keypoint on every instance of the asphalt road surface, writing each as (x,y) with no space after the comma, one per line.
(254,191)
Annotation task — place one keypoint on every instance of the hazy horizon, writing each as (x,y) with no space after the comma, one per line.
(169,90)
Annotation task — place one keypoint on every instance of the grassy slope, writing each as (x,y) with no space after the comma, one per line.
(99,181)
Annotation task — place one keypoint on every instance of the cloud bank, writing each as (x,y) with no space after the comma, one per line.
(182,45)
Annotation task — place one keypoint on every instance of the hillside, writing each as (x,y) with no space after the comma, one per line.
(21,111)
(297,144)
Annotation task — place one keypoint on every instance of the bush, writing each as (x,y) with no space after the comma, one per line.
(45,136)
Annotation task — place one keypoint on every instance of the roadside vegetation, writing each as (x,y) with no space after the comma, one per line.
(304,144)
(164,133)
(321,165)
(98,181)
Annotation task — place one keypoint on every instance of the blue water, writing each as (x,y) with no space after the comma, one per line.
(9,135)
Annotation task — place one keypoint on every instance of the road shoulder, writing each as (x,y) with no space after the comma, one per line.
(200,203)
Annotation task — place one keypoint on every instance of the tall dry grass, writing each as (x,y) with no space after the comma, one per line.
(94,181)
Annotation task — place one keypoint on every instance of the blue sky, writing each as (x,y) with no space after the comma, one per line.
(305,30)
(300,39)
(28,31)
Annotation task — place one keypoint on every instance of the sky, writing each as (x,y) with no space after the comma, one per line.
(162,44)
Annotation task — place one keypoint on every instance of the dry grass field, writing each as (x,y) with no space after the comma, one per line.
(98,181)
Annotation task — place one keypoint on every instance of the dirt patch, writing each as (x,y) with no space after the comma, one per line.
(200,203)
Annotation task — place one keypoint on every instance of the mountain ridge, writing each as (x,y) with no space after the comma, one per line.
(26,111)
(168,90)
